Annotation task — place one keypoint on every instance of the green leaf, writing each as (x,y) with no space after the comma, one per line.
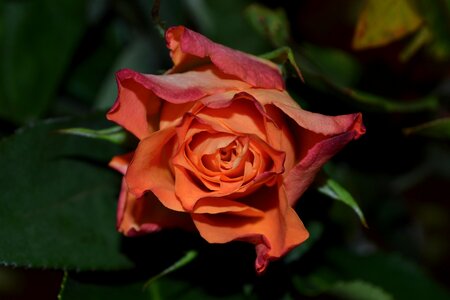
(37,41)
(210,17)
(358,290)
(85,78)
(394,274)
(284,56)
(439,129)
(315,283)
(338,66)
(77,289)
(58,201)
(115,135)
(272,24)
(165,288)
(135,57)
(335,191)
(421,38)
(190,255)
(383,21)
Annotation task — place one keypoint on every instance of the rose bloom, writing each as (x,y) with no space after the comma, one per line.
(223,148)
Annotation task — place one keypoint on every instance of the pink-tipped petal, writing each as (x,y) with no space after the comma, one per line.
(317,150)
(141,96)
(189,49)
(136,107)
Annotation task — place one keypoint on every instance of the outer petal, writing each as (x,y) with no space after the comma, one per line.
(150,169)
(318,138)
(138,104)
(189,48)
(320,150)
(314,122)
(136,107)
(274,234)
(138,216)
(121,162)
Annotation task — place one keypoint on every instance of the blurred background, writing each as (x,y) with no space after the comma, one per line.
(389,59)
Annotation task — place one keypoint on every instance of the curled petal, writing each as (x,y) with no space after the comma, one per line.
(150,169)
(320,149)
(189,49)
(317,123)
(121,162)
(274,234)
(138,105)
(318,138)
(226,206)
(146,214)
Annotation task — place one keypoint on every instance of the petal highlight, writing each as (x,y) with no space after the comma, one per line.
(189,49)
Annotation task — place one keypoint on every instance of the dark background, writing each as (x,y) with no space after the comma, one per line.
(58,60)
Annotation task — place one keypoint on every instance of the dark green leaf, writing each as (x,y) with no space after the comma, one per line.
(315,283)
(358,290)
(335,191)
(114,134)
(383,21)
(272,24)
(439,129)
(76,289)
(338,66)
(165,288)
(135,56)
(85,78)
(392,273)
(37,41)
(58,201)
(219,13)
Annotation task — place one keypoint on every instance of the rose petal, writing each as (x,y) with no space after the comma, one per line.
(146,214)
(318,138)
(190,189)
(320,149)
(241,114)
(189,48)
(224,205)
(121,162)
(274,234)
(314,122)
(138,103)
(136,107)
(150,169)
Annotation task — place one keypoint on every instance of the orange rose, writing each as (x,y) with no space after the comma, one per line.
(223,147)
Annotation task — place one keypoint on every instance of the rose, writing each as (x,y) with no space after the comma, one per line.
(223,148)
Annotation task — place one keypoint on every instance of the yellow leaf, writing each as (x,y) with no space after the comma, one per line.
(384,21)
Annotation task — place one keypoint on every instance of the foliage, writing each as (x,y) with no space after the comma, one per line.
(388,59)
